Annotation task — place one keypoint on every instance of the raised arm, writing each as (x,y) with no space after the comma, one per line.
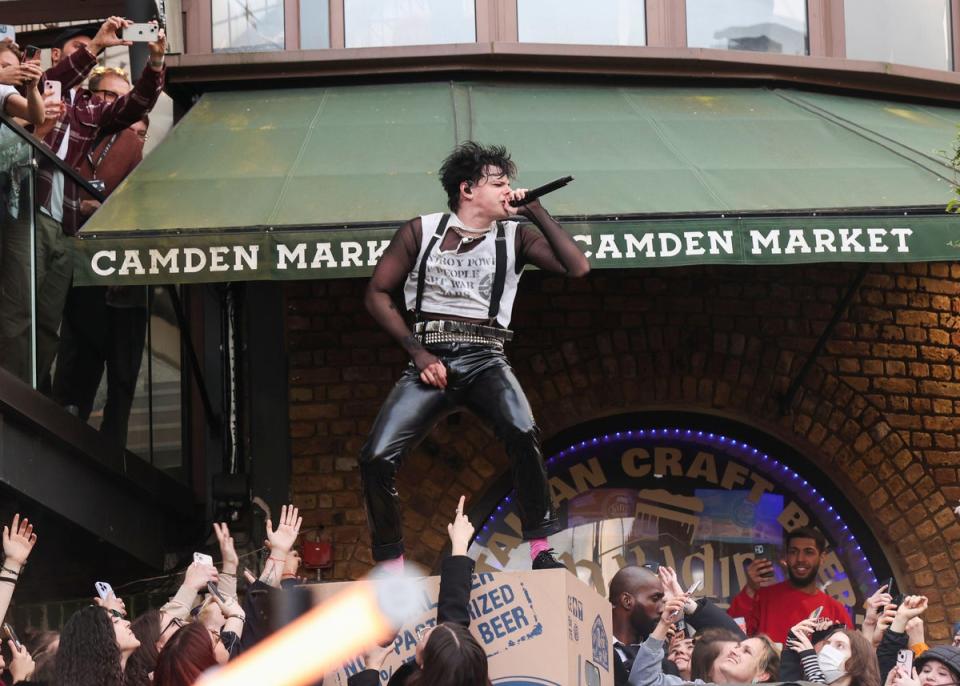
(552,249)
(456,572)
(29,107)
(392,269)
(18,542)
(281,542)
(130,108)
(230,559)
(72,70)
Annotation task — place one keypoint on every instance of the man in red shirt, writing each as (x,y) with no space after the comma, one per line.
(772,609)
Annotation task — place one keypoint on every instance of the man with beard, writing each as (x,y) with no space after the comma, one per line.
(638,596)
(770,608)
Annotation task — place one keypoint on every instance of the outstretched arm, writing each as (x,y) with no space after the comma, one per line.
(552,250)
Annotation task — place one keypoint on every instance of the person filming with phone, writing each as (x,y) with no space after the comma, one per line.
(773,608)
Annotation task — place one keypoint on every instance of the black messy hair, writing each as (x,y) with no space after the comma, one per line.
(467,163)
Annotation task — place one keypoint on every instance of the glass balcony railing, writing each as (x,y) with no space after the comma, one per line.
(109,355)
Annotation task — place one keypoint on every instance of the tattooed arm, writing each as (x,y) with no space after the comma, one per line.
(280,542)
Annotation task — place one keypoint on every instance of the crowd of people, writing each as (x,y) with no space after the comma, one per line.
(787,631)
(98,130)
(662,636)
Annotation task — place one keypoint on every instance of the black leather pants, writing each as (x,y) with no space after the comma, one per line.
(480,379)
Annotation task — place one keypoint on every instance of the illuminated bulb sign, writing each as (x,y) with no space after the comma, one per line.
(702,503)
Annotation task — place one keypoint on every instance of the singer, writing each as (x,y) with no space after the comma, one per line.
(459,273)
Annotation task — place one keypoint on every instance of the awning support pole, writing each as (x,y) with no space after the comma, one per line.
(213,420)
(787,400)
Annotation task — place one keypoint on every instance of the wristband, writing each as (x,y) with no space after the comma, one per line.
(8,580)
(9,571)
(228,574)
(277,559)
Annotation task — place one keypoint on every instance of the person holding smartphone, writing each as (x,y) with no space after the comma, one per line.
(773,608)
(14,73)
(82,120)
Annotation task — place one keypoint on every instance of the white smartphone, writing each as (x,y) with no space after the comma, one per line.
(53,88)
(695,586)
(905,658)
(141,33)
(203,559)
(103,589)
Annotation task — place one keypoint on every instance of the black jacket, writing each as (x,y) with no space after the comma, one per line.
(453,605)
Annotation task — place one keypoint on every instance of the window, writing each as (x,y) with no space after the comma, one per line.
(915,33)
(370,23)
(602,22)
(247,25)
(756,25)
(314,24)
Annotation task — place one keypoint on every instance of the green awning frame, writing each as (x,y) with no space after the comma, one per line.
(310,183)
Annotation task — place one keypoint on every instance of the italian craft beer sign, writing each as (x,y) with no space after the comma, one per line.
(703,503)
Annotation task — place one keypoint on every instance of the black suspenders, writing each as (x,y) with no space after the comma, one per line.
(499,279)
(423,264)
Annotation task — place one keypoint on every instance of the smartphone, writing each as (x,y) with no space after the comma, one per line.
(9,634)
(103,589)
(760,553)
(212,587)
(30,52)
(816,613)
(203,559)
(905,658)
(591,673)
(695,586)
(141,33)
(53,88)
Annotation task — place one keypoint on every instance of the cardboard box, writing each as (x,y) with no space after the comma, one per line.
(542,628)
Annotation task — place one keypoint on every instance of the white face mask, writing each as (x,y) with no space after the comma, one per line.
(831,663)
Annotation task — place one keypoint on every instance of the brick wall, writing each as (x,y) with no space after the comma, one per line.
(880,412)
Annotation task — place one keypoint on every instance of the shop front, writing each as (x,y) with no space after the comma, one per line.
(768,339)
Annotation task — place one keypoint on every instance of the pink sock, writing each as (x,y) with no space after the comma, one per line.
(394,566)
(537,546)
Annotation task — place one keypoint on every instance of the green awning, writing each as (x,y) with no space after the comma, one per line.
(310,183)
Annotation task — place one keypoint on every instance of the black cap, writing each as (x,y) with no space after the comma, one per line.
(72,32)
(948,655)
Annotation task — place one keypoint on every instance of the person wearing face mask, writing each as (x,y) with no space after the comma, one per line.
(753,660)
(842,657)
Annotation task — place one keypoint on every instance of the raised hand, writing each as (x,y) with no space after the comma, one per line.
(21,664)
(229,606)
(158,48)
(108,36)
(760,574)
(672,613)
(198,576)
(112,602)
(18,542)
(228,552)
(460,531)
(875,603)
(800,633)
(282,540)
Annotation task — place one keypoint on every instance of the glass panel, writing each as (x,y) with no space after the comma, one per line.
(372,23)
(17,334)
(247,25)
(314,24)
(757,25)
(165,381)
(915,33)
(602,22)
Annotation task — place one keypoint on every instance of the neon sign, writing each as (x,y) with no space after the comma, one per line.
(698,501)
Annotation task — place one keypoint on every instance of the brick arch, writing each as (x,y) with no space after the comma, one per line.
(843,434)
